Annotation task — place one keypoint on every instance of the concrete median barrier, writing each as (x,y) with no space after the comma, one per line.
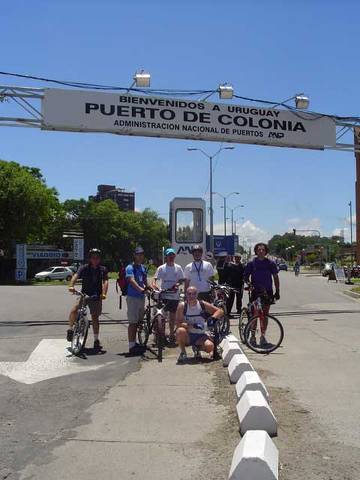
(255,458)
(228,339)
(229,351)
(237,366)
(255,413)
(250,381)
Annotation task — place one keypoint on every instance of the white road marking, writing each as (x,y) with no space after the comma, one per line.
(50,359)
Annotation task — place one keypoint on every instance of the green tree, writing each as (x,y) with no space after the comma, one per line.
(27,206)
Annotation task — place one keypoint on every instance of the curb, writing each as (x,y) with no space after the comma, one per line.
(256,456)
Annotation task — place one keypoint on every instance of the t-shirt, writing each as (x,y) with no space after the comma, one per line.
(169,276)
(199,273)
(92,279)
(139,273)
(261,272)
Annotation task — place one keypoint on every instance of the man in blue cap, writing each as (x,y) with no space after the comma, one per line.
(136,276)
(171,276)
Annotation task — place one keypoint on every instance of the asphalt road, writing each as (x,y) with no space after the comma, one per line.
(313,380)
(30,415)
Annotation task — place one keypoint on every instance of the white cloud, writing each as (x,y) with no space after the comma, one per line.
(248,232)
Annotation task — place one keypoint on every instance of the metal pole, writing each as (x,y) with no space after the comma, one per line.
(232,221)
(357,193)
(211,209)
(351,223)
(225,216)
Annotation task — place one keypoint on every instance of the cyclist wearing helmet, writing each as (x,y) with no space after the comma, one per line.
(171,276)
(95,282)
(198,273)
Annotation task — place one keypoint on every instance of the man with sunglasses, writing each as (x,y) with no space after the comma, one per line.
(198,273)
(95,283)
(192,319)
(171,276)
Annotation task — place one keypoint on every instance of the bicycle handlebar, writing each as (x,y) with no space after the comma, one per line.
(83,295)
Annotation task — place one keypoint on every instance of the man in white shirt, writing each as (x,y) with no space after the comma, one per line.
(171,276)
(198,273)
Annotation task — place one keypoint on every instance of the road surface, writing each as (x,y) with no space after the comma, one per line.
(119,417)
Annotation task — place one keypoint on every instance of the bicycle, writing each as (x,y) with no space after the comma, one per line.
(297,270)
(81,325)
(220,295)
(154,322)
(254,324)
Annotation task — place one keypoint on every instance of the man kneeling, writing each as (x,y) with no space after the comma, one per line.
(192,316)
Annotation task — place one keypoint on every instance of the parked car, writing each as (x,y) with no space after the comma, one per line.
(282,266)
(328,268)
(55,273)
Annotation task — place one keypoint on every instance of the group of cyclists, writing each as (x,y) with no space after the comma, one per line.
(190,319)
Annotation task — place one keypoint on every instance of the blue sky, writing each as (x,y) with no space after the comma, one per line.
(264,49)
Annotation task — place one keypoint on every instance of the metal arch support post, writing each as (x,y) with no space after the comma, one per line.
(23,98)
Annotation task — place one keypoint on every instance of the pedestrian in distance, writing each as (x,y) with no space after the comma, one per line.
(198,273)
(95,283)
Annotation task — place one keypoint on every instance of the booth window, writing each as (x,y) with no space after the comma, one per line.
(189,225)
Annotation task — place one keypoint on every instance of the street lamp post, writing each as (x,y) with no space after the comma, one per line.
(225,197)
(351,223)
(210,157)
(232,217)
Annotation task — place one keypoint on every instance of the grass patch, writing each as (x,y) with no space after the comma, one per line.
(356,289)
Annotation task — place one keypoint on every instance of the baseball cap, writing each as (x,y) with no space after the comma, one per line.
(169,251)
(138,250)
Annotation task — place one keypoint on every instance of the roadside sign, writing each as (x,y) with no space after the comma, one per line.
(130,114)
(20,274)
(339,274)
(21,251)
(78,249)
(51,254)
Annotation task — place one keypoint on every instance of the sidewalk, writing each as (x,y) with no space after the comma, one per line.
(164,421)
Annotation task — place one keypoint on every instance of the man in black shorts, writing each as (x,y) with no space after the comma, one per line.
(171,276)
(95,282)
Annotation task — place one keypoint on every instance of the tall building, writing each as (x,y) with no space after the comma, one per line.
(125,200)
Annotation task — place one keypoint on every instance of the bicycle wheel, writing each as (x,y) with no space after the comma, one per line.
(80,334)
(224,326)
(263,334)
(143,332)
(243,321)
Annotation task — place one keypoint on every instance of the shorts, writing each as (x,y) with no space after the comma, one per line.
(171,305)
(266,297)
(95,306)
(194,338)
(135,309)
(205,296)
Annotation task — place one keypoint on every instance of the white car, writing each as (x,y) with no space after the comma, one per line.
(55,273)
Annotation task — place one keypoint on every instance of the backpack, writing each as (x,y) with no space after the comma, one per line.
(122,282)
(203,312)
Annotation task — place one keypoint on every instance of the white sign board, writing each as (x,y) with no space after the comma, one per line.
(21,251)
(339,274)
(43,254)
(126,114)
(78,249)
(20,274)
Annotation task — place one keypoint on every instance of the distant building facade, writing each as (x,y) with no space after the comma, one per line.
(125,200)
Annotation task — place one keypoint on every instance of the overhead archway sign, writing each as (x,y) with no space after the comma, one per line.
(129,114)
